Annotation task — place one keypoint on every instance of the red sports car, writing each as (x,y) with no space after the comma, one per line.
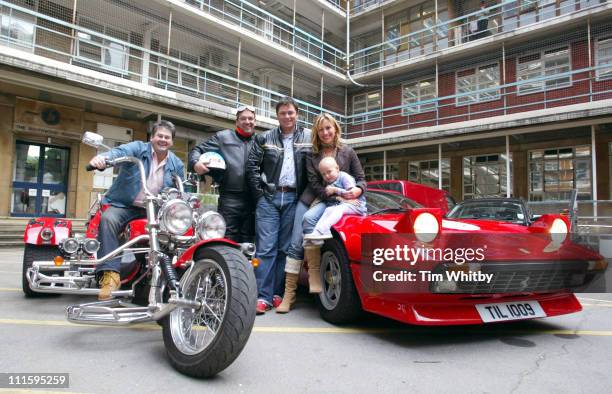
(520,266)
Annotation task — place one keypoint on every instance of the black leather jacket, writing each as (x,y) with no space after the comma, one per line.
(266,160)
(235,151)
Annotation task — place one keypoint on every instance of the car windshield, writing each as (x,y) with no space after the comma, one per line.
(379,201)
(506,211)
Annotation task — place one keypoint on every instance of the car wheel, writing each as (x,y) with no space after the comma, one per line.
(339,302)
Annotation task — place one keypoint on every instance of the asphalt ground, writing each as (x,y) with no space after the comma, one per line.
(299,352)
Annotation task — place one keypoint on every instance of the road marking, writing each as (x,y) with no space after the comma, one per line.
(9,289)
(10,272)
(609,305)
(322,330)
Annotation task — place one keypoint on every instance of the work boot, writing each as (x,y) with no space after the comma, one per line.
(312,255)
(290,288)
(111,281)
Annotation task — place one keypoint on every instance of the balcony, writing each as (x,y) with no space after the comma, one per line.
(467,31)
(122,58)
(584,89)
(273,29)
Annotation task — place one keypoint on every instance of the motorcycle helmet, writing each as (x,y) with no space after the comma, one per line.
(215,163)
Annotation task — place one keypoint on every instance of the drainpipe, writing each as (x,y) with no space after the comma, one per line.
(348,45)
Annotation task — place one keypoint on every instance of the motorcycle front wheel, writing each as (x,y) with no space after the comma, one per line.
(203,342)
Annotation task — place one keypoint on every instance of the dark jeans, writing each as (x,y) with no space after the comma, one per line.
(112,223)
(274,224)
(238,210)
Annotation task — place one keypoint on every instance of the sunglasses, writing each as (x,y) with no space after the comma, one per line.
(245,108)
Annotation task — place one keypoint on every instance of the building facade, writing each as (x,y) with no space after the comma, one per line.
(481,98)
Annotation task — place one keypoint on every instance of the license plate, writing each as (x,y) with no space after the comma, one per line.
(510,311)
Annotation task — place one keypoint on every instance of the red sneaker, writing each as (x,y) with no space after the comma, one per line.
(262,307)
(276,301)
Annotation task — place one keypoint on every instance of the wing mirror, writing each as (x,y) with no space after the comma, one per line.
(94,140)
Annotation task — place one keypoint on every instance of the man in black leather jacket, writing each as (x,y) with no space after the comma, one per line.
(276,172)
(236,203)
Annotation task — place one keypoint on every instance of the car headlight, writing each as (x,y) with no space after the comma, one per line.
(175,217)
(558,231)
(426,227)
(211,225)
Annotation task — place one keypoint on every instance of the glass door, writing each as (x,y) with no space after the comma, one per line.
(40,180)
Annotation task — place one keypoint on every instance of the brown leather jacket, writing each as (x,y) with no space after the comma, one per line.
(347,161)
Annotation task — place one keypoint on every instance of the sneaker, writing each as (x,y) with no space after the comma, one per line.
(110,281)
(262,307)
(316,236)
(276,301)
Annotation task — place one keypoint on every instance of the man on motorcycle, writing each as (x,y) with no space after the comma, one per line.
(126,194)
(236,204)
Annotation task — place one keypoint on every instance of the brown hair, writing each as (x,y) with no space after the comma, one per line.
(318,123)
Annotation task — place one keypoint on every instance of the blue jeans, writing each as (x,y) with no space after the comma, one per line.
(273,224)
(112,222)
(296,250)
(312,217)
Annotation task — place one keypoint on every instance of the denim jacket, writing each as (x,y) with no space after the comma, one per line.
(127,185)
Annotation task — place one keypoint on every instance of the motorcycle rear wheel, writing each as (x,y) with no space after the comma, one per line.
(203,342)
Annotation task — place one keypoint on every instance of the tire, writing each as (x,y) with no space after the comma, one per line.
(33,253)
(339,302)
(227,277)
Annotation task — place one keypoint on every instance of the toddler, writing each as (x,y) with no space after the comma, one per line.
(338,183)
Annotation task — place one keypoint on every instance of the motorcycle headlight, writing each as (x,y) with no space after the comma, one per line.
(171,193)
(70,245)
(211,225)
(175,217)
(426,227)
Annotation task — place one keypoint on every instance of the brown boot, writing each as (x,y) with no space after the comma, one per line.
(111,281)
(289,297)
(312,255)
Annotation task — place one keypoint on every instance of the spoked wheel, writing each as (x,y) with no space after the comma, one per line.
(202,342)
(338,302)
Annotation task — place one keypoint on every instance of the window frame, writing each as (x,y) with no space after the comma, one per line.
(103,45)
(476,74)
(542,70)
(413,109)
(446,180)
(542,161)
(366,101)
(598,76)
(502,179)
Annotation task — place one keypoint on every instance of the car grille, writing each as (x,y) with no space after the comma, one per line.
(526,277)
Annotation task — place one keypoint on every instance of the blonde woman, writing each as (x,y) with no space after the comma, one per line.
(325,143)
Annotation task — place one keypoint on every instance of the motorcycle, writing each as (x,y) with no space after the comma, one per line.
(177,270)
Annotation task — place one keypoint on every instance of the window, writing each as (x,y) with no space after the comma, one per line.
(415,92)
(17,29)
(476,84)
(485,176)
(553,173)
(536,72)
(366,102)
(427,172)
(110,54)
(375,172)
(603,58)
(177,73)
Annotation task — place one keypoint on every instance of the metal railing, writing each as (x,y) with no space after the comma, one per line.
(86,48)
(505,17)
(584,86)
(274,29)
